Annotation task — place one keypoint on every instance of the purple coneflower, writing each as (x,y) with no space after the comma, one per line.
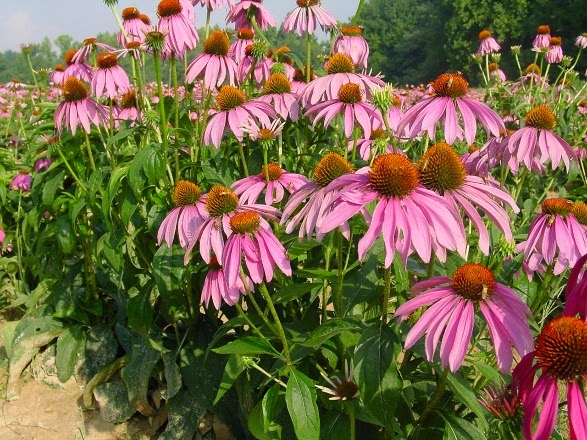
(581,41)
(134,27)
(576,296)
(78,108)
(214,4)
(263,133)
(537,141)
(43,164)
(561,355)
(451,315)
(314,199)
(215,287)
(58,75)
(407,215)
(180,34)
(449,91)
(555,50)
(496,72)
(90,46)
(213,65)
(351,106)
(189,213)
(21,182)
(243,12)
(542,39)
(110,79)
(253,239)
(555,237)
(244,37)
(2,238)
(272,179)
(277,93)
(352,43)
(78,69)
(221,204)
(341,388)
(442,171)
(187,9)
(129,107)
(487,44)
(307,17)
(341,71)
(234,110)
(369,147)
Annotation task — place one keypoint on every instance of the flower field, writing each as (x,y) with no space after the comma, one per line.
(287,243)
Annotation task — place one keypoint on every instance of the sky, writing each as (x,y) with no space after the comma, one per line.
(29,21)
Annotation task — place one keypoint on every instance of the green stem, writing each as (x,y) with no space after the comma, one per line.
(337,293)
(248,321)
(278,326)
(207,30)
(241,152)
(308,57)
(89,150)
(351,411)
(435,398)
(68,166)
(176,111)
(266,373)
(89,265)
(386,293)
(358,13)
(543,291)
(30,63)
(162,116)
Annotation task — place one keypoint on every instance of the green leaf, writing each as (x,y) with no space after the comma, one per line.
(464,393)
(335,426)
(249,345)
(270,406)
(168,271)
(50,187)
(137,373)
(172,374)
(185,415)
(376,372)
(330,329)
(65,236)
(111,190)
(234,367)
(146,167)
(289,293)
(140,313)
(113,400)
(68,349)
(255,424)
(361,284)
(457,428)
(300,398)
(401,274)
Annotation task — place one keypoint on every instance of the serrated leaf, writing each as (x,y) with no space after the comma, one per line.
(249,345)
(68,348)
(300,398)
(376,372)
(234,367)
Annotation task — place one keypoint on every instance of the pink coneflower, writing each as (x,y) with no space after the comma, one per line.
(21,182)
(504,403)
(496,72)
(561,355)
(57,76)
(341,71)
(43,164)
(253,240)
(110,79)
(215,287)
(407,215)
(277,93)
(187,9)
(129,107)
(314,200)
(576,296)
(189,213)
(487,44)
(581,41)
(213,65)
(79,69)
(90,46)
(368,147)
(555,238)
(214,4)
(449,91)
(542,39)
(263,133)
(351,43)
(134,27)
(537,141)
(274,180)
(243,12)
(244,37)
(298,81)
(222,204)
(555,51)
(2,238)
(307,17)
(180,34)
(77,108)
(351,106)
(234,110)
(451,315)
(341,387)
(442,171)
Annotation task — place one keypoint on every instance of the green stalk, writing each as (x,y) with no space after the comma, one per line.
(351,409)
(278,326)
(248,321)
(308,57)
(241,152)
(89,149)
(386,293)
(434,399)
(176,111)
(207,31)
(73,174)
(30,63)
(162,116)
(358,13)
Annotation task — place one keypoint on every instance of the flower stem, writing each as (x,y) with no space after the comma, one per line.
(278,326)
(358,13)
(386,292)
(351,410)
(435,398)
(89,149)
(68,166)
(258,368)
(248,321)
(176,111)
(162,116)
(308,57)
(241,152)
